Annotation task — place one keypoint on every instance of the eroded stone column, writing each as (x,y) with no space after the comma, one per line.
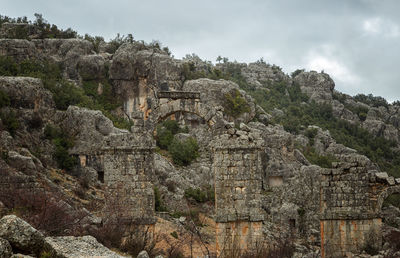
(349,222)
(127,175)
(237,167)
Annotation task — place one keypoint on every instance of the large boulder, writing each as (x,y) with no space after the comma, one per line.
(92,67)
(22,236)
(134,60)
(22,163)
(26,92)
(214,93)
(258,73)
(88,127)
(318,86)
(70,247)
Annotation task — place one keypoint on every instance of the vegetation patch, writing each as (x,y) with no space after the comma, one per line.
(199,195)
(62,143)
(66,93)
(4,99)
(393,199)
(159,206)
(10,121)
(235,104)
(182,152)
(324,161)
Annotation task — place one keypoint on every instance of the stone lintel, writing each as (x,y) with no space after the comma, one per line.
(128,149)
(238,148)
(178,95)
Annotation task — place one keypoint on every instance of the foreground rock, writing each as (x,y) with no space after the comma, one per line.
(22,236)
(5,248)
(69,246)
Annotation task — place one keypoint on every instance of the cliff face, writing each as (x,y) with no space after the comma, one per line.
(120,175)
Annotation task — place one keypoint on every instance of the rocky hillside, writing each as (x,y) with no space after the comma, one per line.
(65,98)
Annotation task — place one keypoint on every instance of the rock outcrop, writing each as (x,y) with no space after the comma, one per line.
(318,86)
(70,247)
(5,248)
(22,236)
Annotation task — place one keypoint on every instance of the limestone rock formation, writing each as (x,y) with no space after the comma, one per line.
(92,67)
(5,248)
(318,86)
(88,127)
(21,235)
(26,92)
(18,49)
(259,72)
(70,247)
(214,93)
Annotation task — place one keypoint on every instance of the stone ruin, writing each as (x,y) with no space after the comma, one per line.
(237,168)
(352,194)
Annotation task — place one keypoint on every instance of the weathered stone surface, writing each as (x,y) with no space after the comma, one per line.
(22,163)
(381,176)
(71,247)
(318,86)
(5,248)
(143,254)
(92,67)
(26,92)
(18,49)
(139,72)
(66,52)
(21,256)
(343,236)
(89,127)
(127,173)
(20,234)
(213,93)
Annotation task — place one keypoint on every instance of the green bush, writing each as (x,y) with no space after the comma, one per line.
(62,143)
(174,234)
(7,66)
(66,94)
(4,99)
(297,72)
(320,160)
(393,199)
(371,100)
(164,138)
(165,133)
(183,152)
(159,206)
(235,104)
(200,196)
(10,121)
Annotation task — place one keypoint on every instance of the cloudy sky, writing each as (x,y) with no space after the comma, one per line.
(356,41)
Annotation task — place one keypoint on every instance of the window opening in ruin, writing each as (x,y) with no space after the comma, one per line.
(100,176)
(292,224)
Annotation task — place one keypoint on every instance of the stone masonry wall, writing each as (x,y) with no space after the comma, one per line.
(341,236)
(129,192)
(237,167)
(348,214)
(127,174)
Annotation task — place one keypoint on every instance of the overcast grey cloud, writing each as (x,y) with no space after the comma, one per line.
(356,41)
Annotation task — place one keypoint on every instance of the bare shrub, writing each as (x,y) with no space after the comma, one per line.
(282,248)
(141,237)
(44,210)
